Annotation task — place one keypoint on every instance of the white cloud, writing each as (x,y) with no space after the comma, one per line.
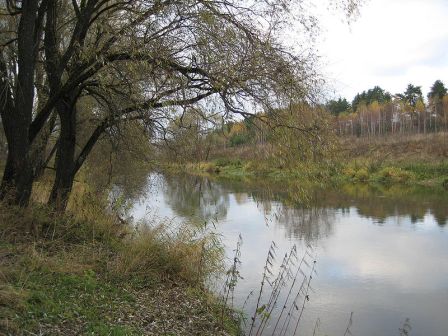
(393,43)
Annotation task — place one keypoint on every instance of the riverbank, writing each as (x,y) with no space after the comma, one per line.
(429,174)
(420,160)
(90,274)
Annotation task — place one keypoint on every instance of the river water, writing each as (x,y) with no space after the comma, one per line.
(381,253)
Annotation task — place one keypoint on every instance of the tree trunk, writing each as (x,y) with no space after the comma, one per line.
(39,155)
(65,156)
(17,179)
(16,109)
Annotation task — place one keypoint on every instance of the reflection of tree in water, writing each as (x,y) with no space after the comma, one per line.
(382,203)
(309,217)
(307,223)
(132,186)
(441,217)
(378,203)
(196,197)
(127,189)
(287,207)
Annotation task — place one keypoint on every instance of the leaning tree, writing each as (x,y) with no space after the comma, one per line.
(95,64)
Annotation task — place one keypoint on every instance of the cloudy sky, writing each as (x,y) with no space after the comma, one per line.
(393,43)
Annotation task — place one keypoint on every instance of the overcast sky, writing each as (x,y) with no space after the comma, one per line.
(393,43)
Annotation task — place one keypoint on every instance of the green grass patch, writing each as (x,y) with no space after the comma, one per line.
(427,170)
(61,299)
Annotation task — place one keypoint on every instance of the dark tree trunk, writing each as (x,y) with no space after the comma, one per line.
(17,177)
(39,155)
(17,110)
(67,165)
(65,156)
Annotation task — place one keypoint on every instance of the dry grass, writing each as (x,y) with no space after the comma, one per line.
(397,148)
(91,263)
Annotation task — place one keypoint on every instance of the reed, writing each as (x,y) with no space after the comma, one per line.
(316,326)
(280,282)
(233,275)
(406,328)
(305,298)
(296,275)
(287,321)
(265,279)
(349,325)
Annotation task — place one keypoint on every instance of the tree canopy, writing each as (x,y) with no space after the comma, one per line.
(77,70)
(438,90)
(367,97)
(339,106)
(411,95)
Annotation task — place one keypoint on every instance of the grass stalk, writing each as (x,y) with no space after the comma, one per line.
(306,297)
(298,271)
(267,270)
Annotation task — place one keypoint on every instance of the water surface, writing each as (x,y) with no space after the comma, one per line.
(382,253)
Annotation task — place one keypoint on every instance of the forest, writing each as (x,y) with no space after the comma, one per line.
(375,112)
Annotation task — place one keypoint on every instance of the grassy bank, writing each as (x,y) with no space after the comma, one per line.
(431,174)
(89,274)
(421,160)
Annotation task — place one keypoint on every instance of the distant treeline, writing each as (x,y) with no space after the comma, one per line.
(306,132)
(377,112)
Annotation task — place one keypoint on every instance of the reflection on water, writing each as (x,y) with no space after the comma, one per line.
(196,197)
(381,253)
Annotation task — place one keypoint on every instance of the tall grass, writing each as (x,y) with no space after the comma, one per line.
(90,245)
(260,309)
(188,252)
(233,274)
(271,286)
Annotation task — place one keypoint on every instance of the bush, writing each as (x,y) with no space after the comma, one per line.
(394,175)
(222,162)
(349,172)
(239,139)
(208,167)
(428,169)
(359,175)
(362,175)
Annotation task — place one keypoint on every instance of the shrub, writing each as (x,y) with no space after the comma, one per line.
(394,175)
(362,175)
(209,167)
(356,174)
(239,139)
(349,172)
(222,162)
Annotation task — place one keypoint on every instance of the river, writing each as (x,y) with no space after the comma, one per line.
(380,252)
